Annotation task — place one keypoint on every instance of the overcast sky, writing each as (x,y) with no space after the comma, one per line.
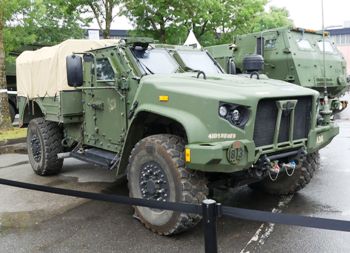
(308,13)
(305,13)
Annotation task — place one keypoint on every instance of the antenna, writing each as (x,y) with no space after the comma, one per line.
(324,57)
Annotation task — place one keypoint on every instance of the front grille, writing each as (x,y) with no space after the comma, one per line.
(266,118)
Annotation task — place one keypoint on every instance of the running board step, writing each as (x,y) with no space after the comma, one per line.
(97,156)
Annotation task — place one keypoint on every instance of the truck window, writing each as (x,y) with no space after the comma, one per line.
(328,47)
(304,44)
(155,61)
(270,43)
(199,60)
(104,70)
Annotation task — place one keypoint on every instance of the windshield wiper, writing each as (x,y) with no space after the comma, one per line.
(143,66)
(186,68)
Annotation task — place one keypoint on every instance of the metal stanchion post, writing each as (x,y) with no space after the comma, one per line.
(209,221)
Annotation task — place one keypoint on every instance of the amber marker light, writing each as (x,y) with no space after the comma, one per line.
(163,98)
(188,155)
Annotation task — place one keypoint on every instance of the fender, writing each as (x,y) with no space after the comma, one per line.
(194,128)
(29,109)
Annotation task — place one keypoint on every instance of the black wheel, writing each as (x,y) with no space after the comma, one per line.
(44,143)
(285,184)
(157,171)
(12,112)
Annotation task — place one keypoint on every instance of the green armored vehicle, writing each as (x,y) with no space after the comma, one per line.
(291,54)
(168,118)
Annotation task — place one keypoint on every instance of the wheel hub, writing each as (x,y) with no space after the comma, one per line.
(36,147)
(153,182)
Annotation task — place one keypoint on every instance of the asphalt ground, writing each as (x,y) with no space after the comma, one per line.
(40,222)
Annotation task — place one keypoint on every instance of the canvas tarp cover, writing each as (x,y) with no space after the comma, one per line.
(42,73)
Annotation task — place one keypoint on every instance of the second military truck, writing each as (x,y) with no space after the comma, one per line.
(168,118)
(294,55)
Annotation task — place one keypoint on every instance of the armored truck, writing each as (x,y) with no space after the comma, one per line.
(169,119)
(294,55)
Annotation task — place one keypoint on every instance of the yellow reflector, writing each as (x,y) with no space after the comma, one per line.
(188,155)
(163,98)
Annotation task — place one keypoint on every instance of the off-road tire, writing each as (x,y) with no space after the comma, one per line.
(284,184)
(12,111)
(184,185)
(48,137)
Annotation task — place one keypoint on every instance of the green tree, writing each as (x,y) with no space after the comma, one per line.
(275,17)
(213,21)
(103,11)
(43,22)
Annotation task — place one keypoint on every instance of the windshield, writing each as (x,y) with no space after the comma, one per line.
(328,48)
(155,61)
(199,60)
(304,44)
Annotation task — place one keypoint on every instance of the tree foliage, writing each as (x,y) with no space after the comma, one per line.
(103,11)
(43,22)
(213,21)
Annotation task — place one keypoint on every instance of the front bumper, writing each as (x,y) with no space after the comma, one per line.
(238,155)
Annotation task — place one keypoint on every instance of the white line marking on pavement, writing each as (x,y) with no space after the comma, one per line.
(265,230)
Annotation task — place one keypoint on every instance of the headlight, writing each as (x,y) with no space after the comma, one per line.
(223,111)
(237,115)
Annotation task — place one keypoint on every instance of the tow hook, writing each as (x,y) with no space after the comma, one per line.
(263,165)
(276,168)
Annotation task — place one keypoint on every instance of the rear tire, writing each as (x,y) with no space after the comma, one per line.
(284,184)
(43,144)
(157,171)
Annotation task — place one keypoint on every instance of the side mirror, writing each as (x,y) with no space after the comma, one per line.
(74,66)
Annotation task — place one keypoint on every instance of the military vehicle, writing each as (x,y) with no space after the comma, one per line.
(294,55)
(168,118)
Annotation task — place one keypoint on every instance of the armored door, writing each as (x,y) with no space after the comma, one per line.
(104,107)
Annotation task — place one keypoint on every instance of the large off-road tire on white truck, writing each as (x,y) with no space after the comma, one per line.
(44,143)
(285,184)
(157,171)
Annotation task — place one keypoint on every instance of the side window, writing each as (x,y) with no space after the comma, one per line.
(328,47)
(270,43)
(104,70)
(304,44)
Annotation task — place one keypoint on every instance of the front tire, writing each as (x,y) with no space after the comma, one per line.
(284,184)
(157,171)
(43,144)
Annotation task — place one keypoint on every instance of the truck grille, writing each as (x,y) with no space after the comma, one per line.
(266,119)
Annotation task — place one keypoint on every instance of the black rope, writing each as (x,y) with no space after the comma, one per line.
(233,212)
(286,219)
(181,207)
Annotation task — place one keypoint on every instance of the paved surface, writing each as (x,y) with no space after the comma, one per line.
(38,222)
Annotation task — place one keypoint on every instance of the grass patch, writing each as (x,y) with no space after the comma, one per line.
(14,133)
